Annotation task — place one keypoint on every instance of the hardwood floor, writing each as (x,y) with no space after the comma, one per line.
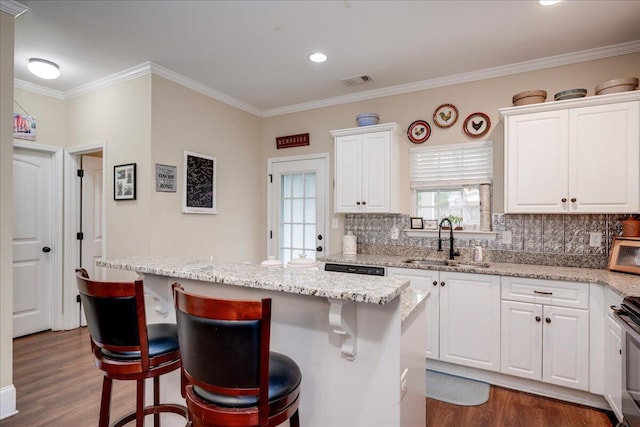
(58,385)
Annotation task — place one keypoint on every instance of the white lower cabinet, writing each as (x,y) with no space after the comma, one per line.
(613,356)
(428,282)
(463,315)
(546,342)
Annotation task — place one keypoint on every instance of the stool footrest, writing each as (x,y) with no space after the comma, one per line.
(150,410)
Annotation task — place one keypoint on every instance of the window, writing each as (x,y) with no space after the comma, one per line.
(454,180)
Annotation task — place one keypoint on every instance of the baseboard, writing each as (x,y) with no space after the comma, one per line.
(522,384)
(7,401)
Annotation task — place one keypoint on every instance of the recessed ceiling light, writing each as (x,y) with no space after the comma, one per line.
(548,2)
(44,69)
(317,57)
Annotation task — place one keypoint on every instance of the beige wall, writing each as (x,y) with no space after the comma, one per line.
(486,96)
(6,195)
(119,116)
(50,114)
(186,120)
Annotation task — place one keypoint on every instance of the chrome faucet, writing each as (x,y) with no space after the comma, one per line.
(452,253)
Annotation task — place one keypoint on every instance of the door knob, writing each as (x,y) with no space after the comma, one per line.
(358,203)
(537,318)
(573,200)
(319,236)
(364,203)
(564,200)
(441,283)
(547,320)
(319,249)
(46,249)
(435,283)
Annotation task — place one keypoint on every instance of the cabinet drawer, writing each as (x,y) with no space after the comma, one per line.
(549,292)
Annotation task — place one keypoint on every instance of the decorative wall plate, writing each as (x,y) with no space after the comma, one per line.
(419,131)
(445,115)
(476,125)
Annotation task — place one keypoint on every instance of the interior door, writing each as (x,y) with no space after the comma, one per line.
(297,207)
(92,204)
(32,236)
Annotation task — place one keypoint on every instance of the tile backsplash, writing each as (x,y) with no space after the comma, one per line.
(552,239)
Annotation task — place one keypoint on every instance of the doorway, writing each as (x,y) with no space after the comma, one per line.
(297,206)
(37,237)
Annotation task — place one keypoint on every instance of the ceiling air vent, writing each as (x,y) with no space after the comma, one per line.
(357,80)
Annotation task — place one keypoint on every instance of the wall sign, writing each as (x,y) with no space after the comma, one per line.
(166,178)
(199,183)
(292,141)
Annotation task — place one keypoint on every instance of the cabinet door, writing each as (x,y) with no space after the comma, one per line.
(565,343)
(604,158)
(348,173)
(376,173)
(613,366)
(521,340)
(425,281)
(536,162)
(470,320)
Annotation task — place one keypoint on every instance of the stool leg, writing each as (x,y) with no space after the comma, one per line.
(105,402)
(156,400)
(140,403)
(294,421)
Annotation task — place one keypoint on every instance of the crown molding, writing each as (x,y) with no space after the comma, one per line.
(41,90)
(13,8)
(205,90)
(488,73)
(103,83)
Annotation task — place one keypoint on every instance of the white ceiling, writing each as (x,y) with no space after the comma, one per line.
(256,52)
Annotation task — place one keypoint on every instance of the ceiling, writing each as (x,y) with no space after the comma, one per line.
(255,52)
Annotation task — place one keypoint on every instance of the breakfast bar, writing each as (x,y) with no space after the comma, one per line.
(358,340)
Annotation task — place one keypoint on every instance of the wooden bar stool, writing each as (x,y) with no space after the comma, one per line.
(232,379)
(125,347)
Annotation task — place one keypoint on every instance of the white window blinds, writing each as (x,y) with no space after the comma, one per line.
(452,165)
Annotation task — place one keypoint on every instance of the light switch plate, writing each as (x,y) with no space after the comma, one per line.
(595,240)
(335,223)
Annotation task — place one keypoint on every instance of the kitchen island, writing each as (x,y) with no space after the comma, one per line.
(359,340)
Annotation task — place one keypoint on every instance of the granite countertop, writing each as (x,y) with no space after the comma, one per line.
(623,283)
(349,287)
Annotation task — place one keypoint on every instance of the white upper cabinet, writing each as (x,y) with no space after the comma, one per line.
(367,169)
(574,156)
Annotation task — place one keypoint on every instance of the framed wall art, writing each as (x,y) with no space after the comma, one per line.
(476,125)
(417,223)
(199,194)
(445,115)
(124,182)
(166,178)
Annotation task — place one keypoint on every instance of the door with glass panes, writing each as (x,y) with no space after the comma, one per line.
(297,206)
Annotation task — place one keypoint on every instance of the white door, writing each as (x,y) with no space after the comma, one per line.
(32,241)
(298,200)
(92,200)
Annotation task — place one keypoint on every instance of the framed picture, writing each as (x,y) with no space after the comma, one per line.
(431,224)
(124,182)
(417,223)
(24,127)
(199,194)
(166,178)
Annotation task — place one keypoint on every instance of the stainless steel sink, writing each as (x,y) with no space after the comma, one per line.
(425,262)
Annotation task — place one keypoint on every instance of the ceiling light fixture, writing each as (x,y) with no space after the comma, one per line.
(44,69)
(548,2)
(317,57)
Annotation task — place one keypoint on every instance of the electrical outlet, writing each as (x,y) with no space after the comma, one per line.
(595,240)
(335,223)
(395,233)
(507,237)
